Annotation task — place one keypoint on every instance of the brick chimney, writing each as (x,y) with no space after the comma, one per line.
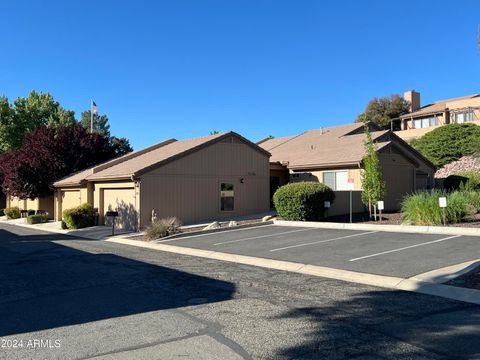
(413,98)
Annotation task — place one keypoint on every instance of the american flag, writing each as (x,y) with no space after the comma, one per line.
(94,108)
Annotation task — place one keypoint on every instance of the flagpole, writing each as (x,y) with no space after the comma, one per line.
(91,116)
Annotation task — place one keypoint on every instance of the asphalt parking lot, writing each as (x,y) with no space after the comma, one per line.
(381,253)
(75,298)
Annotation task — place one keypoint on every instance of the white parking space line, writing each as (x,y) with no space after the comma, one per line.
(405,248)
(263,236)
(322,241)
(215,233)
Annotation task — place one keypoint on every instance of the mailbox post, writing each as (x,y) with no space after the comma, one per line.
(113,215)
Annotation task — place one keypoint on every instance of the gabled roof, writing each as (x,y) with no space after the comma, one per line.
(139,162)
(437,106)
(328,148)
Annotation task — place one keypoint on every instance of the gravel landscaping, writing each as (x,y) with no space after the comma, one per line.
(395,219)
(469,280)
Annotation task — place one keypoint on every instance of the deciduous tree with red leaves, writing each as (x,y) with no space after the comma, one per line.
(48,154)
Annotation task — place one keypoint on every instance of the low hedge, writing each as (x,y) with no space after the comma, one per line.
(79,217)
(464,180)
(36,219)
(12,212)
(30,212)
(302,201)
(2,212)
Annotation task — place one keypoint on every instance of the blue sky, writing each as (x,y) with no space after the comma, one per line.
(183,68)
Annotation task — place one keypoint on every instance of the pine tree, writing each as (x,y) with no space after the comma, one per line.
(372,181)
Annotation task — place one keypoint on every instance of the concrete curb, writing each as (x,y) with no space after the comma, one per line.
(387,228)
(442,275)
(193,233)
(389,282)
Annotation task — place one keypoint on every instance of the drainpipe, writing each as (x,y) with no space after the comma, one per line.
(137,207)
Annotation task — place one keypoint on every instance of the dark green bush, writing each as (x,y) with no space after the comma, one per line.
(453,182)
(79,217)
(12,212)
(36,219)
(449,143)
(465,180)
(302,201)
(2,212)
(30,212)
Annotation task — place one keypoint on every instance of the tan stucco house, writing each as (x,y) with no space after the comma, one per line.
(422,119)
(44,203)
(334,156)
(211,177)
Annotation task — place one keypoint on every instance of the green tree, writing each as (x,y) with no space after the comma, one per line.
(214,132)
(26,114)
(102,127)
(372,182)
(449,143)
(100,123)
(120,145)
(382,110)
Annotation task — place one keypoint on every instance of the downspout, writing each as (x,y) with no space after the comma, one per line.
(136,190)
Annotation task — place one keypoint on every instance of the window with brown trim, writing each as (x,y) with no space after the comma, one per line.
(227,197)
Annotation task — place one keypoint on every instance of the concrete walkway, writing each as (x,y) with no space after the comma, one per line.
(93,233)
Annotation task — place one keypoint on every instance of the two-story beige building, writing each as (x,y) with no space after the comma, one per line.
(422,119)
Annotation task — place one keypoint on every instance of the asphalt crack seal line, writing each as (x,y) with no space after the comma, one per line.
(390,282)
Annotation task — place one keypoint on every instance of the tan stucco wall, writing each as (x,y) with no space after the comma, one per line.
(62,203)
(189,187)
(317,175)
(43,203)
(103,191)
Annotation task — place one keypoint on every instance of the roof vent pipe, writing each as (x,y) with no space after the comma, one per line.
(321,130)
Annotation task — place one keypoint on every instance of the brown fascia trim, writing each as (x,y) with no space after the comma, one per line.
(112,178)
(402,143)
(313,167)
(199,147)
(69,185)
(413,116)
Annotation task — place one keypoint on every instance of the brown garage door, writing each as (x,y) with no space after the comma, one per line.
(123,201)
(70,199)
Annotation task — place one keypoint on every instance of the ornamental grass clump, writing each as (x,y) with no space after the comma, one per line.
(423,208)
(163,227)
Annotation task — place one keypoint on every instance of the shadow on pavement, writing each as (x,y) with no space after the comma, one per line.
(45,285)
(389,324)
